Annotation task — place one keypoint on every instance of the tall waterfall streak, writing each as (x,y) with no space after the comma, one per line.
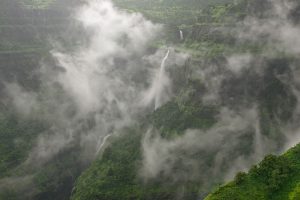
(102,143)
(160,80)
(258,140)
(181,35)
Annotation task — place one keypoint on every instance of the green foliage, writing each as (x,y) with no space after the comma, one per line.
(16,139)
(295,194)
(276,177)
(273,171)
(55,179)
(115,175)
(240,178)
(172,119)
(219,12)
(199,20)
(186,111)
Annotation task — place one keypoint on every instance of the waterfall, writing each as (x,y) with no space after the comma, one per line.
(102,143)
(258,141)
(181,35)
(161,81)
(159,91)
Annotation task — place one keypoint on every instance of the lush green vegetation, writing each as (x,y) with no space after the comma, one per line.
(17,139)
(25,26)
(115,175)
(276,177)
(208,37)
(206,25)
(55,180)
(186,111)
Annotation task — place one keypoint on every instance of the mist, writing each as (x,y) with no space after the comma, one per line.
(94,83)
(93,91)
(113,70)
(185,158)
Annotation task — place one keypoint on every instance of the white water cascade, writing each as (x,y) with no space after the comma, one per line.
(102,143)
(161,81)
(181,35)
(258,141)
(160,89)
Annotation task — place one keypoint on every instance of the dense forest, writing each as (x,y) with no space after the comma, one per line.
(149,99)
(276,177)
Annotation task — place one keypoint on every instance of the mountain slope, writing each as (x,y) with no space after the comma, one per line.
(230,101)
(276,177)
(190,172)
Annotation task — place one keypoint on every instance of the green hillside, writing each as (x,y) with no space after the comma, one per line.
(116,174)
(276,177)
(207,131)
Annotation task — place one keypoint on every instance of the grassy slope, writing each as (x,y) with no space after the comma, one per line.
(276,178)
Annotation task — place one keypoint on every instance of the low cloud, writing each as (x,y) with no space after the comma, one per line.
(236,84)
(199,155)
(23,101)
